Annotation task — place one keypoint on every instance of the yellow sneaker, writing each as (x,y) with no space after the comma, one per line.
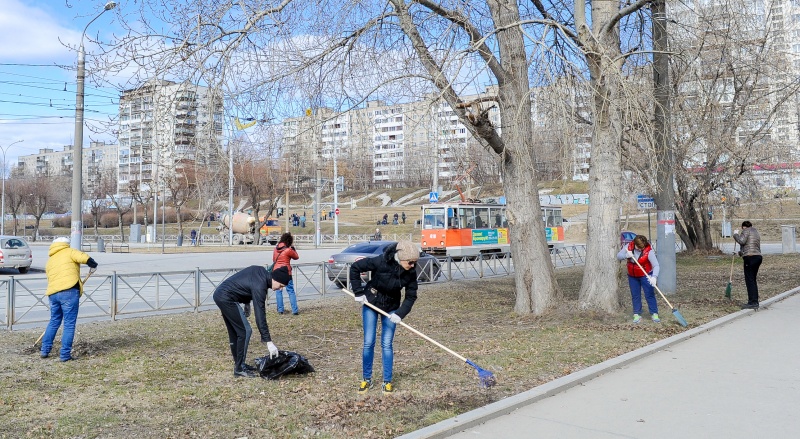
(388,388)
(364,386)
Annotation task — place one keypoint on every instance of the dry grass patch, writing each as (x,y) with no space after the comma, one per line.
(171,376)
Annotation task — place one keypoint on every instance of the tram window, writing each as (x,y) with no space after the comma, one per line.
(499,217)
(467,217)
(481,217)
(433,218)
(552,217)
(452,218)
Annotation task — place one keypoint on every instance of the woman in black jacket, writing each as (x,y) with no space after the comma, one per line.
(392,272)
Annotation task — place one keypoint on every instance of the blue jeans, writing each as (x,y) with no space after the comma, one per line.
(369,318)
(292,298)
(638,284)
(63,306)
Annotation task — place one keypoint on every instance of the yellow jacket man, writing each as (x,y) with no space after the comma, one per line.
(64,289)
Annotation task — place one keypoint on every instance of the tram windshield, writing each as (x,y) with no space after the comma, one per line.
(433,218)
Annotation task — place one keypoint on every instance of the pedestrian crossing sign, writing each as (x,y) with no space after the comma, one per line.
(434,197)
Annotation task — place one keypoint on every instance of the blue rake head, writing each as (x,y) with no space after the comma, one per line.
(487,378)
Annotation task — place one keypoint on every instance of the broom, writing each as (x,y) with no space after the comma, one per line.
(730,279)
(675,311)
(486,378)
(91,271)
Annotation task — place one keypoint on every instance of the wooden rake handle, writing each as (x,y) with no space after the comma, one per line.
(91,271)
(733,258)
(405,325)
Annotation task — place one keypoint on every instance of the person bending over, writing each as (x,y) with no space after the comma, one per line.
(233,297)
(391,273)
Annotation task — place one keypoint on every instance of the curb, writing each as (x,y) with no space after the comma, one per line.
(505,406)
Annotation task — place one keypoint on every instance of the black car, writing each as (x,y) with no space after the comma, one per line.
(338,266)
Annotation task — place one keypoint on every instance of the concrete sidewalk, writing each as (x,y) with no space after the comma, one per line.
(735,377)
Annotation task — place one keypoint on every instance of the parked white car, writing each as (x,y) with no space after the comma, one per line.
(15,253)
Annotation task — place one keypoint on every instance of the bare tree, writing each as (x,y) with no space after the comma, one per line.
(211,188)
(42,196)
(121,204)
(18,190)
(181,188)
(141,195)
(259,177)
(97,197)
(734,108)
(401,50)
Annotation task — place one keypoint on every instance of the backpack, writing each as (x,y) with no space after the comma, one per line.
(285,363)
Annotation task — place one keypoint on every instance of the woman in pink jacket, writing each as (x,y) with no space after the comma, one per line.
(282,257)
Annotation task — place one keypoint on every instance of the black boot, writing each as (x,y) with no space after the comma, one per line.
(245,373)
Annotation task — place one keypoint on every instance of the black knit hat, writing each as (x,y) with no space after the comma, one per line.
(281,275)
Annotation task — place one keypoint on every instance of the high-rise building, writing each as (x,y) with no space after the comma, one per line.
(388,145)
(99,160)
(165,126)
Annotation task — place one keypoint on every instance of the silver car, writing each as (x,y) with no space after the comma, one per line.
(15,253)
(338,266)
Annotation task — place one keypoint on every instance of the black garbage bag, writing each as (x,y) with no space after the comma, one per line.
(285,363)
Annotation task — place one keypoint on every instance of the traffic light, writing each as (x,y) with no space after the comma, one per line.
(280,212)
(340,183)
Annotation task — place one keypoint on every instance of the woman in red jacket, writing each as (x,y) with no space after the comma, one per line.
(282,257)
(639,280)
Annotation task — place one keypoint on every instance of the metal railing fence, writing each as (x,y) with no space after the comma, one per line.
(117,295)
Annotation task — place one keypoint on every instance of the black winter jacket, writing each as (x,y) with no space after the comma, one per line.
(388,280)
(251,283)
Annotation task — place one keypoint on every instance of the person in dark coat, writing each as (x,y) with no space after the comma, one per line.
(233,297)
(750,243)
(392,274)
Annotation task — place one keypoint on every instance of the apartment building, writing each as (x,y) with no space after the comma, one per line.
(99,161)
(747,70)
(165,126)
(387,145)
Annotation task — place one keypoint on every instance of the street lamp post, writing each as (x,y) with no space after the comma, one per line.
(3,208)
(76,232)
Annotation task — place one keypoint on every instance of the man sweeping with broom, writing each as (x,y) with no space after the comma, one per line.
(64,289)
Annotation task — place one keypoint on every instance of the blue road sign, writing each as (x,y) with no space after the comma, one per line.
(433,197)
(645,201)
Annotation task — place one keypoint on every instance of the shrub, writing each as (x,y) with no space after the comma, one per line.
(109,220)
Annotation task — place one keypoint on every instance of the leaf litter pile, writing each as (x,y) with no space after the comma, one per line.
(170,376)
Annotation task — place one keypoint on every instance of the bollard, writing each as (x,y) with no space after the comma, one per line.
(789,244)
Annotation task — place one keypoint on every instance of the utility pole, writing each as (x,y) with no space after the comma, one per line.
(665,197)
(286,197)
(335,196)
(317,208)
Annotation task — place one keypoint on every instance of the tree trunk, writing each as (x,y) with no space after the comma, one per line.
(599,285)
(536,286)
(36,222)
(121,225)
(179,220)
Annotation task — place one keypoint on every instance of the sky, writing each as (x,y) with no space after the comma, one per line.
(38,76)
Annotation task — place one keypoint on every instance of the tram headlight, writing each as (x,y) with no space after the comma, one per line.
(442,243)
(425,243)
